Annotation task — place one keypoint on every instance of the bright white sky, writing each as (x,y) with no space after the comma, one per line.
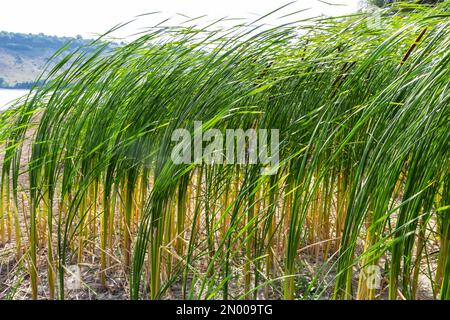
(90,17)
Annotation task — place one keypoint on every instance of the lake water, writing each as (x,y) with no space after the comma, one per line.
(7,96)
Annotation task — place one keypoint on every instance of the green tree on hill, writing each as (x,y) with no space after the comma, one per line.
(3,83)
(382,3)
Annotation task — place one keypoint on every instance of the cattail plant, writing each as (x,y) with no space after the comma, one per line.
(363,178)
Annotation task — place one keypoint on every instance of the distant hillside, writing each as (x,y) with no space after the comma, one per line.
(23,56)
